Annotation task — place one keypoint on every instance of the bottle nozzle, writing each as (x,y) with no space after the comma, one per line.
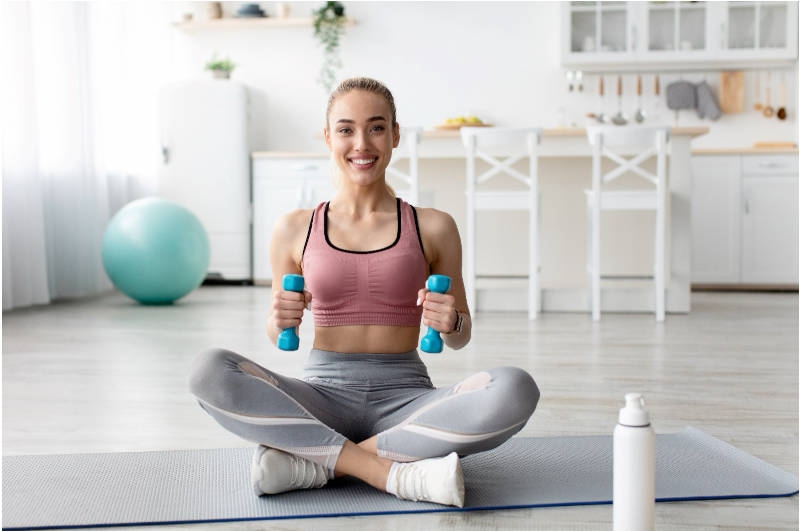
(635,400)
(634,413)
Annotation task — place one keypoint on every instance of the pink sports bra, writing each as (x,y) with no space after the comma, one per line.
(365,287)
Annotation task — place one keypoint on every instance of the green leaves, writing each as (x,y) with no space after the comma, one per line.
(329,25)
(224,65)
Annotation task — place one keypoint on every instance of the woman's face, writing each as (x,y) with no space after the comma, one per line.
(361,137)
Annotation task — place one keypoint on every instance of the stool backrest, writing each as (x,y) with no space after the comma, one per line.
(515,143)
(644,141)
(410,138)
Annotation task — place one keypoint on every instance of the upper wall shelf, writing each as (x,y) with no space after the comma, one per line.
(250,22)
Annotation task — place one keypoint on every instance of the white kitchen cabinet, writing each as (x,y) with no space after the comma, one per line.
(282,183)
(769,220)
(678,35)
(745,219)
(757,30)
(598,30)
(675,29)
(715,219)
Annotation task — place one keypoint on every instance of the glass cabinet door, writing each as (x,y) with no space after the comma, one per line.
(598,27)
(757,25)
(672,34)
(676,26)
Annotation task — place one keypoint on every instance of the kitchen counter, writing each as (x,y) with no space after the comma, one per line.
(744,151)
(562,132)
(556,142)
(565,151)
(565,167)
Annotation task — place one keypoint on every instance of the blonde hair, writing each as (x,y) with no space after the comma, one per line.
(366,84)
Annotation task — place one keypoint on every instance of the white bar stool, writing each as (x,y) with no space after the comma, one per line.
(646,142)
(410,136)
(515,144)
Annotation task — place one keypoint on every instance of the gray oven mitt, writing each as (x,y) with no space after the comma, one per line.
(706,103)
(681,95)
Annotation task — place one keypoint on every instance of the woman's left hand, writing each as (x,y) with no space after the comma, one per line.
(438,310)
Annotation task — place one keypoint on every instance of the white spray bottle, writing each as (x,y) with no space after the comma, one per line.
(634,467)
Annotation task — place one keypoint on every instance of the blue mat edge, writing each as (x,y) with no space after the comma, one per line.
(387,513)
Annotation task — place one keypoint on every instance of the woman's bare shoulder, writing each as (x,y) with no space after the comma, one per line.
(435,222)
(288,236)
(289,224)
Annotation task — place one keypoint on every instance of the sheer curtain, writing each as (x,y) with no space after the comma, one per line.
(79,140)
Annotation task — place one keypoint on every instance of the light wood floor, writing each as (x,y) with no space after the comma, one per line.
(106,374)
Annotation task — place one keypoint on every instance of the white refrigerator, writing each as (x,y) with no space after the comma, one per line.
(205,166)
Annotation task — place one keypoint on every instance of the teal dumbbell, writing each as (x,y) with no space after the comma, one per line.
(287,339)
(431,342)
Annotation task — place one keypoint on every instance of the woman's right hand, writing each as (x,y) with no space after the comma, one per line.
(287,308)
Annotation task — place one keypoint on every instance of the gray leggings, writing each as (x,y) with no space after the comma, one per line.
(356,396)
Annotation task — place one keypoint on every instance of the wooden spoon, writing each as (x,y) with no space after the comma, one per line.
(768,110)
(757,105)
(601,117)
(781,114)
(619,118)
(639,116)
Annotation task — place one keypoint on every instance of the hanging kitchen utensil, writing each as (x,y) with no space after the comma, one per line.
(781,114)
(706,104)
(656,105)
(639,116)
(768,110)
(681,95)
(619,118)
(579,80)
(569,80)
(757,105)
(601,117)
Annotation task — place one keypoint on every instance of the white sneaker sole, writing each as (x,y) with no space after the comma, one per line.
(457,475)
(256,473)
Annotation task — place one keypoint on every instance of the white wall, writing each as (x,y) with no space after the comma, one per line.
(499,60)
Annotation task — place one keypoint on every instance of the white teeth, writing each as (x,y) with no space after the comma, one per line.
(363,161)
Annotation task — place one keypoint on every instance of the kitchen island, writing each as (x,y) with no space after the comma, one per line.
(565,170)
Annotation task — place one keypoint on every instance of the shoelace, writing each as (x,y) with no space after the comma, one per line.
(299,468)
(414,477)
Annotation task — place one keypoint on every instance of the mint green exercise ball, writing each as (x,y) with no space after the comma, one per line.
(155,251)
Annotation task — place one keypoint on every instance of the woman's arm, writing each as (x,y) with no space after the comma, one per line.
(442,245)
(285,255)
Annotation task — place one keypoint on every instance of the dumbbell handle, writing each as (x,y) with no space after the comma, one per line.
(287,339)
(432,342)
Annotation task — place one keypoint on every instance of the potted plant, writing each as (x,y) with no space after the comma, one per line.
(329,25)
(220,68)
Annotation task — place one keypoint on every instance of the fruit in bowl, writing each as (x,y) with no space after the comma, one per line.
(457,122)
(463,120)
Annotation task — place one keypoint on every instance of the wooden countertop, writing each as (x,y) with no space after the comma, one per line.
(744,150)
(563,132)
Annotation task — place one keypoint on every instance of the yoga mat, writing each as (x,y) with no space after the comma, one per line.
(82,490)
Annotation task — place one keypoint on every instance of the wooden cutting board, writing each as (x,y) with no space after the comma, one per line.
(731,92)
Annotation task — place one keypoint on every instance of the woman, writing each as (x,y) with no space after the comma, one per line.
(365,406)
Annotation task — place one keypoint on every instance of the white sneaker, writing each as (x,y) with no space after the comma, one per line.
(437,480)
(273,471)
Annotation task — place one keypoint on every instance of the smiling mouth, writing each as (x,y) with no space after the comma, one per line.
(362,162)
